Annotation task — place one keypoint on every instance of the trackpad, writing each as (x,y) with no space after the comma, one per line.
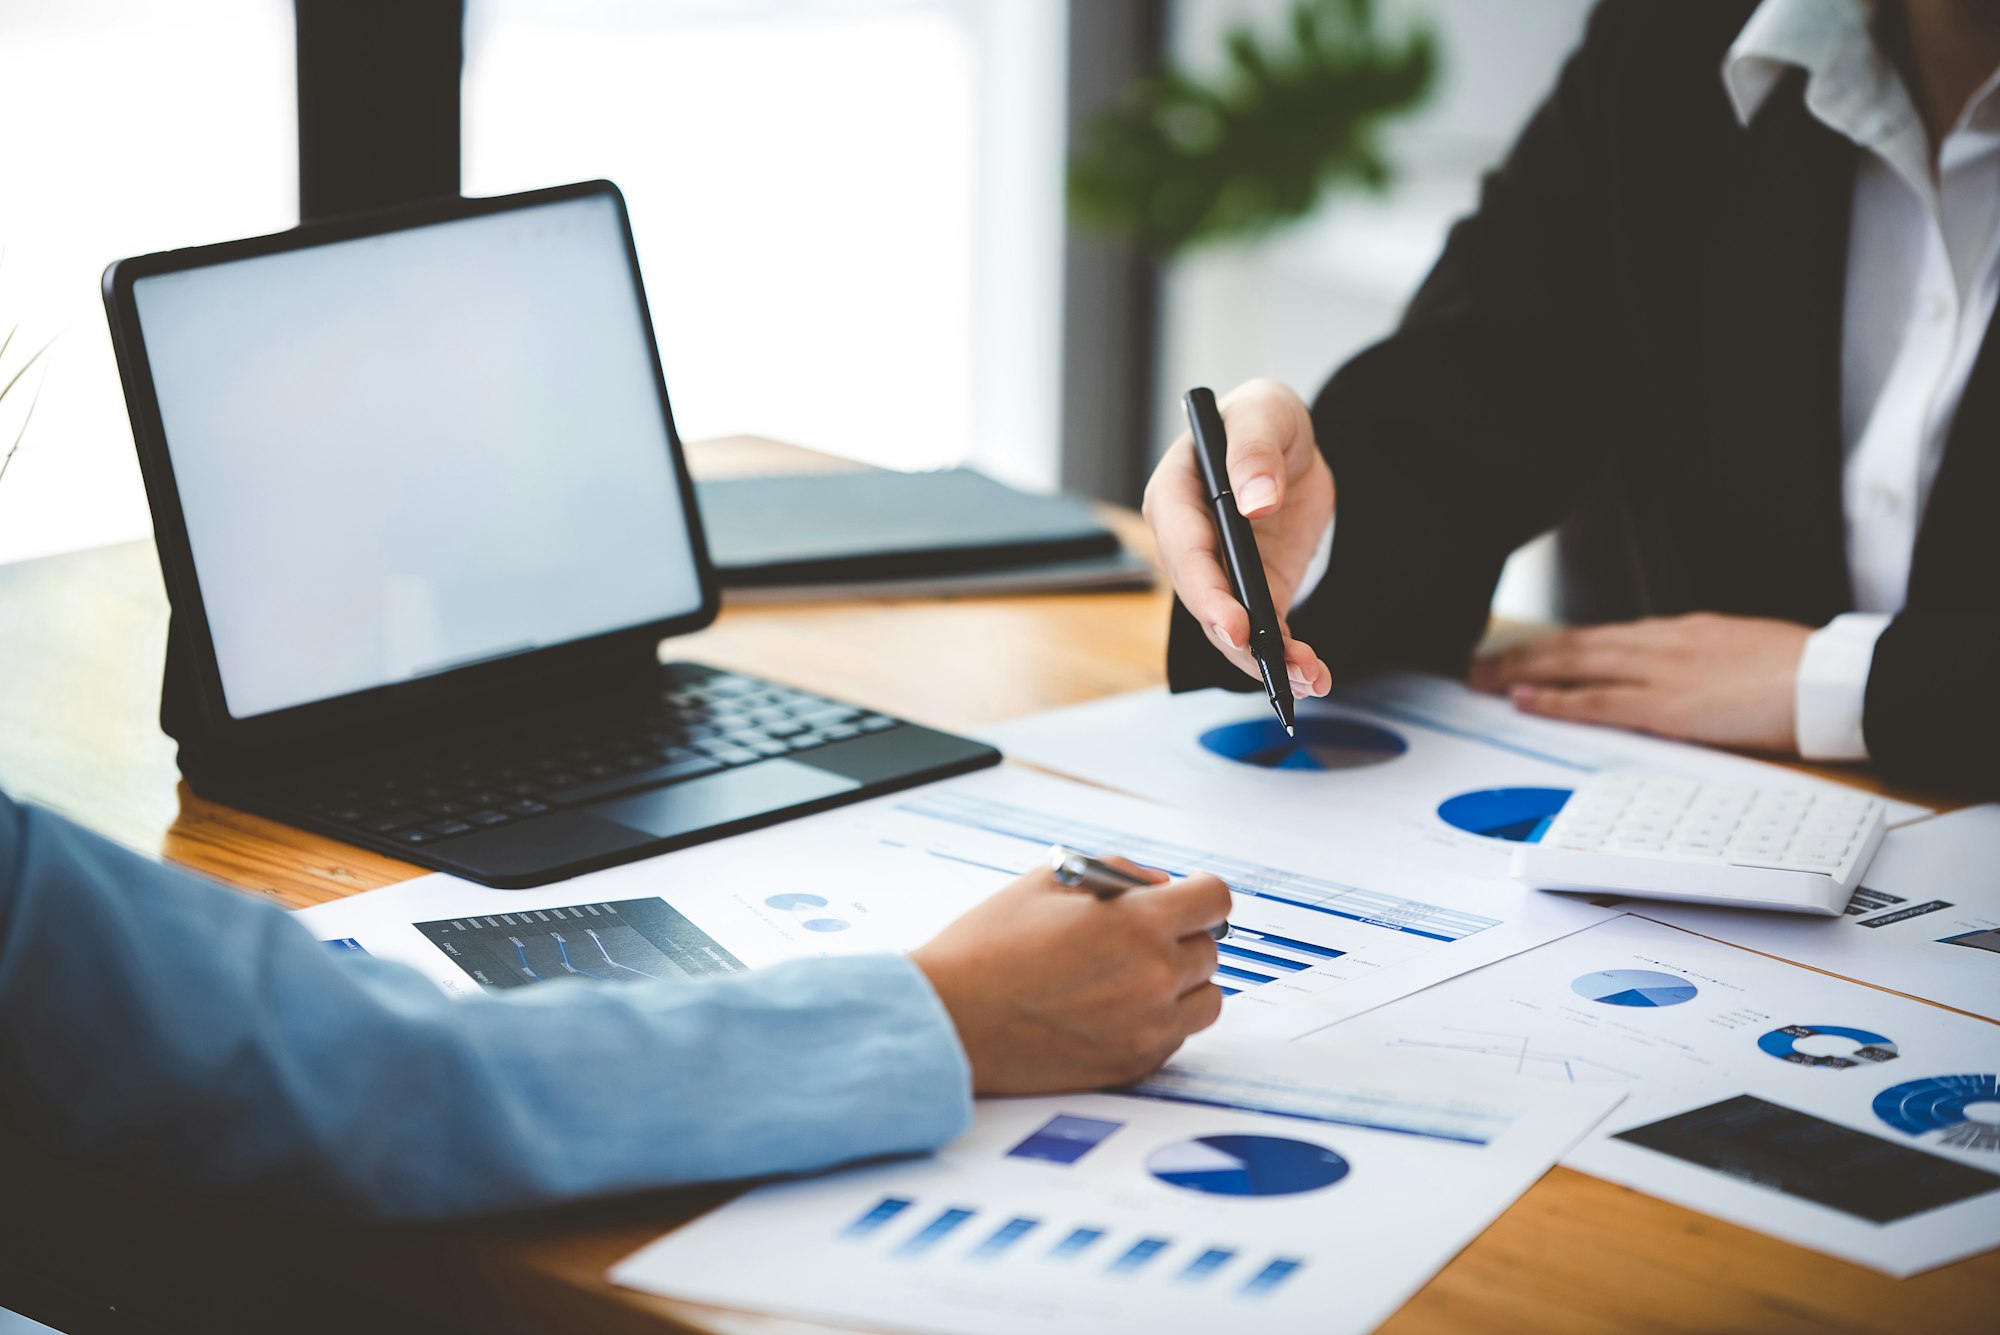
(725,798)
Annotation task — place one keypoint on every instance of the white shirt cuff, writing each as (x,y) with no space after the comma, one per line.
(1833,686)
(1316,568)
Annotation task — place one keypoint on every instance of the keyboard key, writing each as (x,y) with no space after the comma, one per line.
(526,806)
(488,817)
(415,837)
(447,828)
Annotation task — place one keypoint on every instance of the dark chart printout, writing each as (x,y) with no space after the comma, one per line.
(625,942)
(1814,1159)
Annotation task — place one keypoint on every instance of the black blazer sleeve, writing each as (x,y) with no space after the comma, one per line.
(1932,713)
(1486,417)
(1932,717)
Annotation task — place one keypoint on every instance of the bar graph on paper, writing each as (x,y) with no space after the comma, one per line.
(1288,925)
(944,1235)
(1036,830)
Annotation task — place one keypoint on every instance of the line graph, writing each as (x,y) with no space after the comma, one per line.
(1520,1052)
(631,940)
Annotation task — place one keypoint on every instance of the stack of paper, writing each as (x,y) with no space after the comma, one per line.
(1398,1013)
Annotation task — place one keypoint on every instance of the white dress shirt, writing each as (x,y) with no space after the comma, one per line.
(1921,287)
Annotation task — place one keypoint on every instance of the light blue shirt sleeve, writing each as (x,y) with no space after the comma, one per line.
(156,1021)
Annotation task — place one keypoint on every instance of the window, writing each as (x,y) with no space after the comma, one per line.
(126,126)
(849,212)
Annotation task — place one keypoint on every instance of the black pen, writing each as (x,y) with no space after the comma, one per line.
(1239,551)
(1080,871)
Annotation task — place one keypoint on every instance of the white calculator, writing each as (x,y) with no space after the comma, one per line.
(1658,837)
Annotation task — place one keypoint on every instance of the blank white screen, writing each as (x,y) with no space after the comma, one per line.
(410,452)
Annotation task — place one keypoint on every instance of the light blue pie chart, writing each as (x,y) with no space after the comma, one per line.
(791,903)
(1239,1165)
(1634,987)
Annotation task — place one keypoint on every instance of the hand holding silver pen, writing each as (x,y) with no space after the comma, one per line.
(1080,871)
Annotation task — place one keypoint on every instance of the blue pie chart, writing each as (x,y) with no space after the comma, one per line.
(1237,1165)
(1937,1106)
(791,903)
(1519,815)
(1634,987)
(1322,744)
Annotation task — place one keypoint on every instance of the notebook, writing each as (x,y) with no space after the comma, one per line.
(870,527)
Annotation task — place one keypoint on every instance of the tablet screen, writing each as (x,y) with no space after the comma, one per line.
(402,454)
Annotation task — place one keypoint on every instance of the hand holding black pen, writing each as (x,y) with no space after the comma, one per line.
(1239,551)
(1080,871)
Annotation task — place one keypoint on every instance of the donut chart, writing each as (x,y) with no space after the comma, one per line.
(1322,744)
(1937,1107)
(1868,1048)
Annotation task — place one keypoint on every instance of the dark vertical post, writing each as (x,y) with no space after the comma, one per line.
(378,102)
(1110,288)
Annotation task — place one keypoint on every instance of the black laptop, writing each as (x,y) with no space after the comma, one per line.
(424,521)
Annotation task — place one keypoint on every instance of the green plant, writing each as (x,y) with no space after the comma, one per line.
(8,385)
(1178,162)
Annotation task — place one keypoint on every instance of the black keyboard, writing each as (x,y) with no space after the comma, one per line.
(692,728)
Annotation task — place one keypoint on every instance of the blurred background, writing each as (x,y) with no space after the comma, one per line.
(853,215)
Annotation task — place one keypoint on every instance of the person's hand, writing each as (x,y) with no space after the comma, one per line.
(1283,486)
(1054,990)
(1727,681)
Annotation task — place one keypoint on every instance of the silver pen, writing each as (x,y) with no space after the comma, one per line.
(1080,871)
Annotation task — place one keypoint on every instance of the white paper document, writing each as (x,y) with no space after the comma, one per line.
(1407,765)
(1101,1212)
(1833,1115)
(1925,921)
(1317,928)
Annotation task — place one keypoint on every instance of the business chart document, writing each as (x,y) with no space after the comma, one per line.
(1100,1212)
(1314,924)
(1925,920)
(1836,1116)
(1407,765)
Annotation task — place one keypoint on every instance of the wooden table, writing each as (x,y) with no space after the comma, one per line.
(81,641)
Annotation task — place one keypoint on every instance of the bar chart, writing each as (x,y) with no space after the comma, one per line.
(905,1231)
(1248,957)
(1035,830)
